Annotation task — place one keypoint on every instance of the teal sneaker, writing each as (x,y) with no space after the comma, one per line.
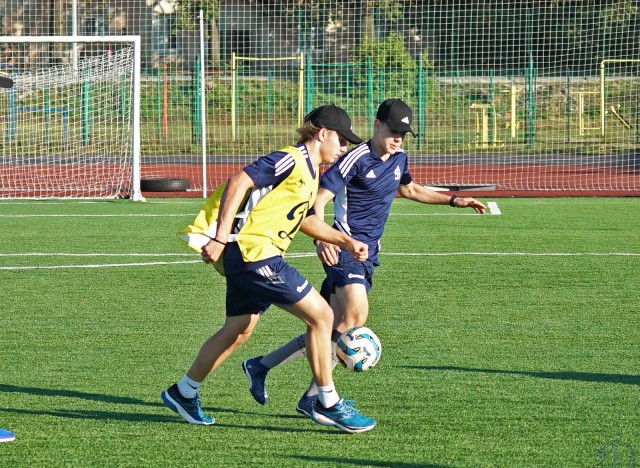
(343,416)
(305,405)
(256,373)
(7,436)
(188,408)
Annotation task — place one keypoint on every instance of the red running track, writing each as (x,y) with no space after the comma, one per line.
(522,180)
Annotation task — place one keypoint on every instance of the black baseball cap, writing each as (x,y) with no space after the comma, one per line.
(335,118)
(397,115)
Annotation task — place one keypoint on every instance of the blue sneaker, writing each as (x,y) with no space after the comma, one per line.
(256,373)
(188,408)
(6,436)
(305,405)
(343,416)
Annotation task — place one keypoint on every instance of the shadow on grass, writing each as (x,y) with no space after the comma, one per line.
(98,415)
(579,376)
(59,392)
(362,462)
(112,399)
(309,427)
(153,418)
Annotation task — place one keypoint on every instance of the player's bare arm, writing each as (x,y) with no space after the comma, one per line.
(315,227)
(327,252)
(422,194)
(229,204)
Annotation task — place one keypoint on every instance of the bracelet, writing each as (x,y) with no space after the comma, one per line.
(219,242)
(452,199)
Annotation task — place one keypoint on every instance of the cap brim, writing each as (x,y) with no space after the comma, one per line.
(400,128)
(350,137)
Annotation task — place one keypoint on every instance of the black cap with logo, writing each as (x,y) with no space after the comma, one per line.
(397,115)
(335,118)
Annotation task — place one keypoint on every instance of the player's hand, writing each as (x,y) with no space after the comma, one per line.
(468,202)
(211,251)
(327,253)
(359,250)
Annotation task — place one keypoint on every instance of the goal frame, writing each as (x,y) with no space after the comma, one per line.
(136,193)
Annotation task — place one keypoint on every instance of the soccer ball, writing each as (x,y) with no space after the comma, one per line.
(359,349)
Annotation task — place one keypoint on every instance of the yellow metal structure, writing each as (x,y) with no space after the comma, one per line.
(234,76)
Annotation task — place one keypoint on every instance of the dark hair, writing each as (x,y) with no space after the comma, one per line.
(307,132)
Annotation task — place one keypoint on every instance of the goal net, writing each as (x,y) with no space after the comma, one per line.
(505,95)
(69,123)
(538,98)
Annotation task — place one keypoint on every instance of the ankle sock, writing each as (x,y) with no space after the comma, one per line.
(188,387)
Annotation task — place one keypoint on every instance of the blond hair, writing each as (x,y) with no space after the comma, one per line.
(307,132)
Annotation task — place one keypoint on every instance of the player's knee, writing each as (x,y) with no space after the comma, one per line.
(242,337)
(356,318)
(321,318)
(235,335)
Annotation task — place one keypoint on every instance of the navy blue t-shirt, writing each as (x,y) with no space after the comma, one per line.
(365,186)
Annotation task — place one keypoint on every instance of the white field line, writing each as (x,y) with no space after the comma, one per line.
(96,202)
(120,215)
(92,202)
(517,254)
(102,265)
(60,254)
(173,215)
(297,255)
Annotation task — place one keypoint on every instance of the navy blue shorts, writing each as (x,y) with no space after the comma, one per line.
(252,292)
(348,271)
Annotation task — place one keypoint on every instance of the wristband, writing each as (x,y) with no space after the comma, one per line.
(219,242)
(452,199)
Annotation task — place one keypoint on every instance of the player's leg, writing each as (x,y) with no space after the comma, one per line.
(329,409)
(242,315)
(350,295)
(214,351)
(184,397)
(353,302)
(256,368)
(350,304)
(317,314)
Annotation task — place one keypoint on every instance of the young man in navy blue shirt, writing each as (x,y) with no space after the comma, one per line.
(364,183)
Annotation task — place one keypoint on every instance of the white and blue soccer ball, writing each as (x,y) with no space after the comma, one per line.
(359,349)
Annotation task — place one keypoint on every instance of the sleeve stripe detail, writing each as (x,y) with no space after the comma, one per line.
(284,164)
(350,160)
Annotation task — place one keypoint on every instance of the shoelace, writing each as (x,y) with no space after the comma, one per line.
(346,408)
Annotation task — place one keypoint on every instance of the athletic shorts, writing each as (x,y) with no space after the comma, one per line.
(348,271)
(252,292)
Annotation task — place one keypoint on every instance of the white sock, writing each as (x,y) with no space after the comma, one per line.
(328,396)
(294,349)
(188,387)
(313,388)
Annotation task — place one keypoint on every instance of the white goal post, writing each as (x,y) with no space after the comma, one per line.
(70,126)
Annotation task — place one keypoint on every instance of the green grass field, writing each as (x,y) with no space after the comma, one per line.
(509,340)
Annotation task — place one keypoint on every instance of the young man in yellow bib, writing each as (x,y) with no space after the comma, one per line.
(258,214)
